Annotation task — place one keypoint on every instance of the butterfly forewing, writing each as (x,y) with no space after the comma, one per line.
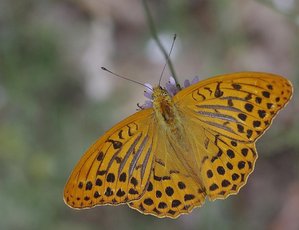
(231,112)
(117,167)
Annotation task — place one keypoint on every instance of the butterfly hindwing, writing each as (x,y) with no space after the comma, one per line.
(116,168)
(171,190)
(227,166)
(229,113)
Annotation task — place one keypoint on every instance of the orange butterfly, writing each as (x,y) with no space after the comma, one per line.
(166,159)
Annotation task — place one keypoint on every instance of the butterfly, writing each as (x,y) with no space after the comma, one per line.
(184,147)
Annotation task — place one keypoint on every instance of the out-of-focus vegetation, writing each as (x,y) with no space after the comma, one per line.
(55,101)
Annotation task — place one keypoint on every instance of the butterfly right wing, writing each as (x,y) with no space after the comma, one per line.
(225,116)
(117,167)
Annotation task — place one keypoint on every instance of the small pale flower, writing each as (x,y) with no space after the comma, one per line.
(195,80)
(171,87)
(148,91)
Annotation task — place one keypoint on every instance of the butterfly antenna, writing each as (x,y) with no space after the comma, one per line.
(168,57)
(125,78)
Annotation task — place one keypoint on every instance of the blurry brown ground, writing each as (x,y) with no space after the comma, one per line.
(55,101)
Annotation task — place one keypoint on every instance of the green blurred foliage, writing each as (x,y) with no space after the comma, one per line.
(48,118)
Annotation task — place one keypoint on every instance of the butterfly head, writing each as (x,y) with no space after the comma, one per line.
(159,94)
(171,89)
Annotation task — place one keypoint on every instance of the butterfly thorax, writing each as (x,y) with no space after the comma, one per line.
(165,109)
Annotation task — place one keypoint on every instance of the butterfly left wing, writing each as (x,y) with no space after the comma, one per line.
(116,168)
(228,114)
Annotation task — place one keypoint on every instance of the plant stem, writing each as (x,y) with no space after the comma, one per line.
(153,31)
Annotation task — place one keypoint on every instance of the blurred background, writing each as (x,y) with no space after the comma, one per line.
(55,101)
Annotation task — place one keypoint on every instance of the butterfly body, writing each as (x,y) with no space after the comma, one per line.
(199,143)
(170,124)
(165,110)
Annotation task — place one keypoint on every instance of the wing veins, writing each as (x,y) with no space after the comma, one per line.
(83,165)
(221,127)
(233,98)
(218,115)
(128,153)
(137,155)
(213,131)
(145,161)
(218,126)
(216,107)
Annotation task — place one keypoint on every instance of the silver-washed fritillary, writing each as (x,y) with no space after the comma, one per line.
(166,159)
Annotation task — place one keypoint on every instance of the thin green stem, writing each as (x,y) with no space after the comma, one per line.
(154,34)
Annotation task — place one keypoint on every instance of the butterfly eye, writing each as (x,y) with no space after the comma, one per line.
(164,93)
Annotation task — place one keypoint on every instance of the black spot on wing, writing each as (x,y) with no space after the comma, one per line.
(218,92)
